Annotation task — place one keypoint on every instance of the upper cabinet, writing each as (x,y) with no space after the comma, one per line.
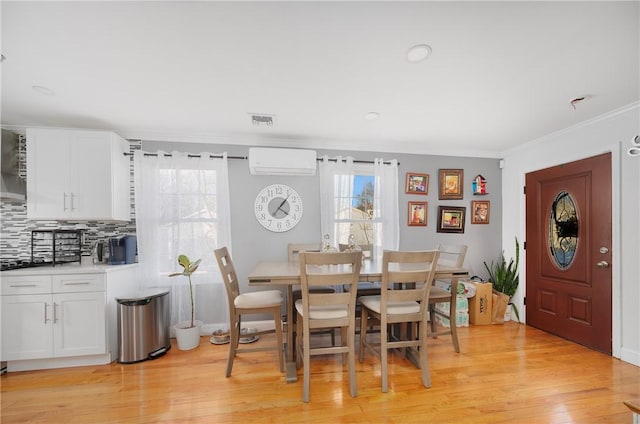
(77,175)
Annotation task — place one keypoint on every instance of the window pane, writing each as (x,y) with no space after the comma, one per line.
(354,203)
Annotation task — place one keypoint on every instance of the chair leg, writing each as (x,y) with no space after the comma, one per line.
(298,346)
(363,333)
(383,356)
(424,361)
(453,323)
(344,340)
(432,320)
(351,342)
(306,346)
(234,338)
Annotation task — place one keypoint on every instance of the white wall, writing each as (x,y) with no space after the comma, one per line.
(613,133)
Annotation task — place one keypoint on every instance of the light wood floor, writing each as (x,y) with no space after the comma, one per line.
(504,373)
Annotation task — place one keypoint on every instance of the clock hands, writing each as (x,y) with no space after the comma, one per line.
(279,208)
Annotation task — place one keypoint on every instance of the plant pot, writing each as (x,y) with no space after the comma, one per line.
(507,313)
(187,338)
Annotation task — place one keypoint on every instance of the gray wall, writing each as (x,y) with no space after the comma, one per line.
(252,243)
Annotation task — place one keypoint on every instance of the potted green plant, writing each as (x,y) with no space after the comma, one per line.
(505,278)
(188,332)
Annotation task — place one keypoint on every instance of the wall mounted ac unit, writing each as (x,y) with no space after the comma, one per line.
(269,161)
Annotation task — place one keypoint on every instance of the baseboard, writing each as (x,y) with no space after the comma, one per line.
(630,356)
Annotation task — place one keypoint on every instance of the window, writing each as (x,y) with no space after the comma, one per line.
(355,210)
(360,199)
(182,207)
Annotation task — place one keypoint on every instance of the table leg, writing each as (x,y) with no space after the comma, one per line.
(291,370)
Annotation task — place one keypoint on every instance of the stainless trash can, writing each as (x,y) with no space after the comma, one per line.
(143,326)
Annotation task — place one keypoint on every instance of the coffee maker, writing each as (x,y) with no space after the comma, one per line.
(122,250)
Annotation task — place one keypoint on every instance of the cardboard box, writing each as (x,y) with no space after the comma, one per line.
(480,305)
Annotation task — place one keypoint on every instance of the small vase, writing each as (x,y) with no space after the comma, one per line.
(188,338)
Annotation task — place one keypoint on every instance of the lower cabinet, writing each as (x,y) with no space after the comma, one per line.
(51,326)
(58,320)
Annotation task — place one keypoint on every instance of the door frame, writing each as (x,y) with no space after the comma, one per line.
(507,238)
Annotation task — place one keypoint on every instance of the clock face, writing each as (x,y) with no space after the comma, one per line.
(278,208)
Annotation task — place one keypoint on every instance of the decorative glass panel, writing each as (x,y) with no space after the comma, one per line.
(563,230)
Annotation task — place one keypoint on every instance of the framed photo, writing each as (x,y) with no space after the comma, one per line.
(451,184)
(480,210)
(417,214)
(417,183)
(451,219)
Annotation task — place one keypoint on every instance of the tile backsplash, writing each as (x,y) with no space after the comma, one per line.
(15,228)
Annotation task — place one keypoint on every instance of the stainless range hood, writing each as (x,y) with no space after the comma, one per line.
(13,187)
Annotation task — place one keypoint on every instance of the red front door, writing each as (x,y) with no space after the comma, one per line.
(569,251)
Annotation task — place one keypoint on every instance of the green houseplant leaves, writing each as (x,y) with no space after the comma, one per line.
(188,268)
(505,278)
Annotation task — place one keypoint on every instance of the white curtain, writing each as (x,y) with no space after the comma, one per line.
(182,207)
(386,205)
(336,193)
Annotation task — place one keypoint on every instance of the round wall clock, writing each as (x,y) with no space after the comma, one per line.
(278,208)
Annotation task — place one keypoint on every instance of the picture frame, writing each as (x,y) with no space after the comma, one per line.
(451,219)
(417,183)
(417,216)
(480,211)
(451,184)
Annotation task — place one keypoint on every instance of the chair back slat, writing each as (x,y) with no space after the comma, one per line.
(452,255)
(228,272)
(294,249)
(321,269)
(414,268)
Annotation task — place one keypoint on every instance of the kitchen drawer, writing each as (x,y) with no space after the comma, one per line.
(26,284)
(73,283)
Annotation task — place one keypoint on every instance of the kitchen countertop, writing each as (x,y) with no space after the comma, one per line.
(75,268)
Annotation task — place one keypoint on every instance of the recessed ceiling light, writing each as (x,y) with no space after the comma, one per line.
(371,116)
(43,90)
(418,53)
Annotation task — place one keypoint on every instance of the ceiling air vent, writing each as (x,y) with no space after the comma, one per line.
(262,119)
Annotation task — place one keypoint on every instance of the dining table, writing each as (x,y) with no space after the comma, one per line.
(287,274)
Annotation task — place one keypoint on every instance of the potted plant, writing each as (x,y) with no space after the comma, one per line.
(188,332)
(505,279)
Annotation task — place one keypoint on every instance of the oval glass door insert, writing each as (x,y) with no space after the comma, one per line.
(563,230)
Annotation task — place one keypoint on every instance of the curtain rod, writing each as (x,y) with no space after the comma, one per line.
(245,158)
(168,155)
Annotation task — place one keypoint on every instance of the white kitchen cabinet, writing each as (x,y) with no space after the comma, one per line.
(77,175)
(58,319)
(68,321)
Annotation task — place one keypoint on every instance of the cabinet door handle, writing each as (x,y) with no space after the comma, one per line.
(45,313)
(64,201)
(77,283)
(55,317)
(23,285)
(71,202)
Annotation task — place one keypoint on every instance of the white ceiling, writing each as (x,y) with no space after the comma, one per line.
(501,73)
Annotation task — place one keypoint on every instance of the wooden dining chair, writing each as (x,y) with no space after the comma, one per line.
(294,250)
(451,256)
(404,299)
(262,302)
(327,310)
(365,288)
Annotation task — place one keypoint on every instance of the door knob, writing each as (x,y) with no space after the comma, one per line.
(603,264)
